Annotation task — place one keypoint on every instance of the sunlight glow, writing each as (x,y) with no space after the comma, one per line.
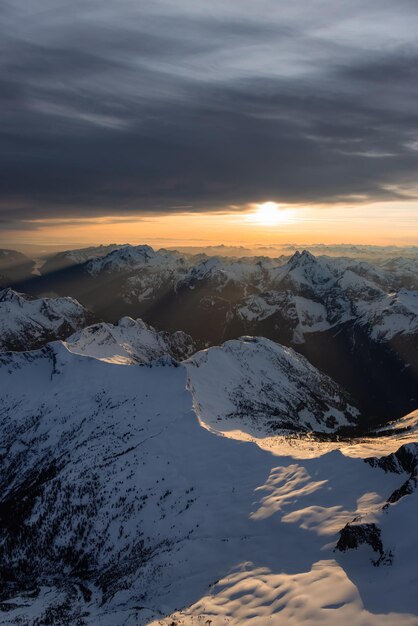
(269,214)
(379,223)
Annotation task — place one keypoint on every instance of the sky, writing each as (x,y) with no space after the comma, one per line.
(183,120)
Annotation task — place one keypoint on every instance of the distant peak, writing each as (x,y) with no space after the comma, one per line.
(142,248)
(127,322)
(301,258)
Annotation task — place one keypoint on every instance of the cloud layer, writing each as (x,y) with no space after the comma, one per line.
(131,107)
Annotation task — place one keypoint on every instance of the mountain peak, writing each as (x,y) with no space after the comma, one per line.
(10,295)
(307,255)
(302,258)
(129,341)
(265,386)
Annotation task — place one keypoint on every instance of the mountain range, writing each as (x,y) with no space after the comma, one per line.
(239,446)
(342,313)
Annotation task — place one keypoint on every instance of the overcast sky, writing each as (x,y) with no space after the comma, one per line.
(128,106)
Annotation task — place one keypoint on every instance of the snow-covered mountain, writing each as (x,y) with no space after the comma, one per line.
(27,323)
(310,293)
(70,258)
(341,313)
(121,502)
(254,383)
(251,383)
(405,269)
(129,341)
(134,257)
(317,294)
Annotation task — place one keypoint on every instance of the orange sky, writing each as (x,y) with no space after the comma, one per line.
(394,223)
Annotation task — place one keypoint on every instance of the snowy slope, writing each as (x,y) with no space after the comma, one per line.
(391,315)
(408,424)
(250,383)
(254,382)
(118,507)
(129,341)
(27,323)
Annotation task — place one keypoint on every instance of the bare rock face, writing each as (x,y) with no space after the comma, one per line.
(404,460)
(352,536)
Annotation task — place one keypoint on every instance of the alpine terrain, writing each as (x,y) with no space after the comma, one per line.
(342,313)
(149,477)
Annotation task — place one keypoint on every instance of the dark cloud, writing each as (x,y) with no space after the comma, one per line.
(118,108)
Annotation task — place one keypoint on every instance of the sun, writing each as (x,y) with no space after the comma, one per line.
(268,214)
